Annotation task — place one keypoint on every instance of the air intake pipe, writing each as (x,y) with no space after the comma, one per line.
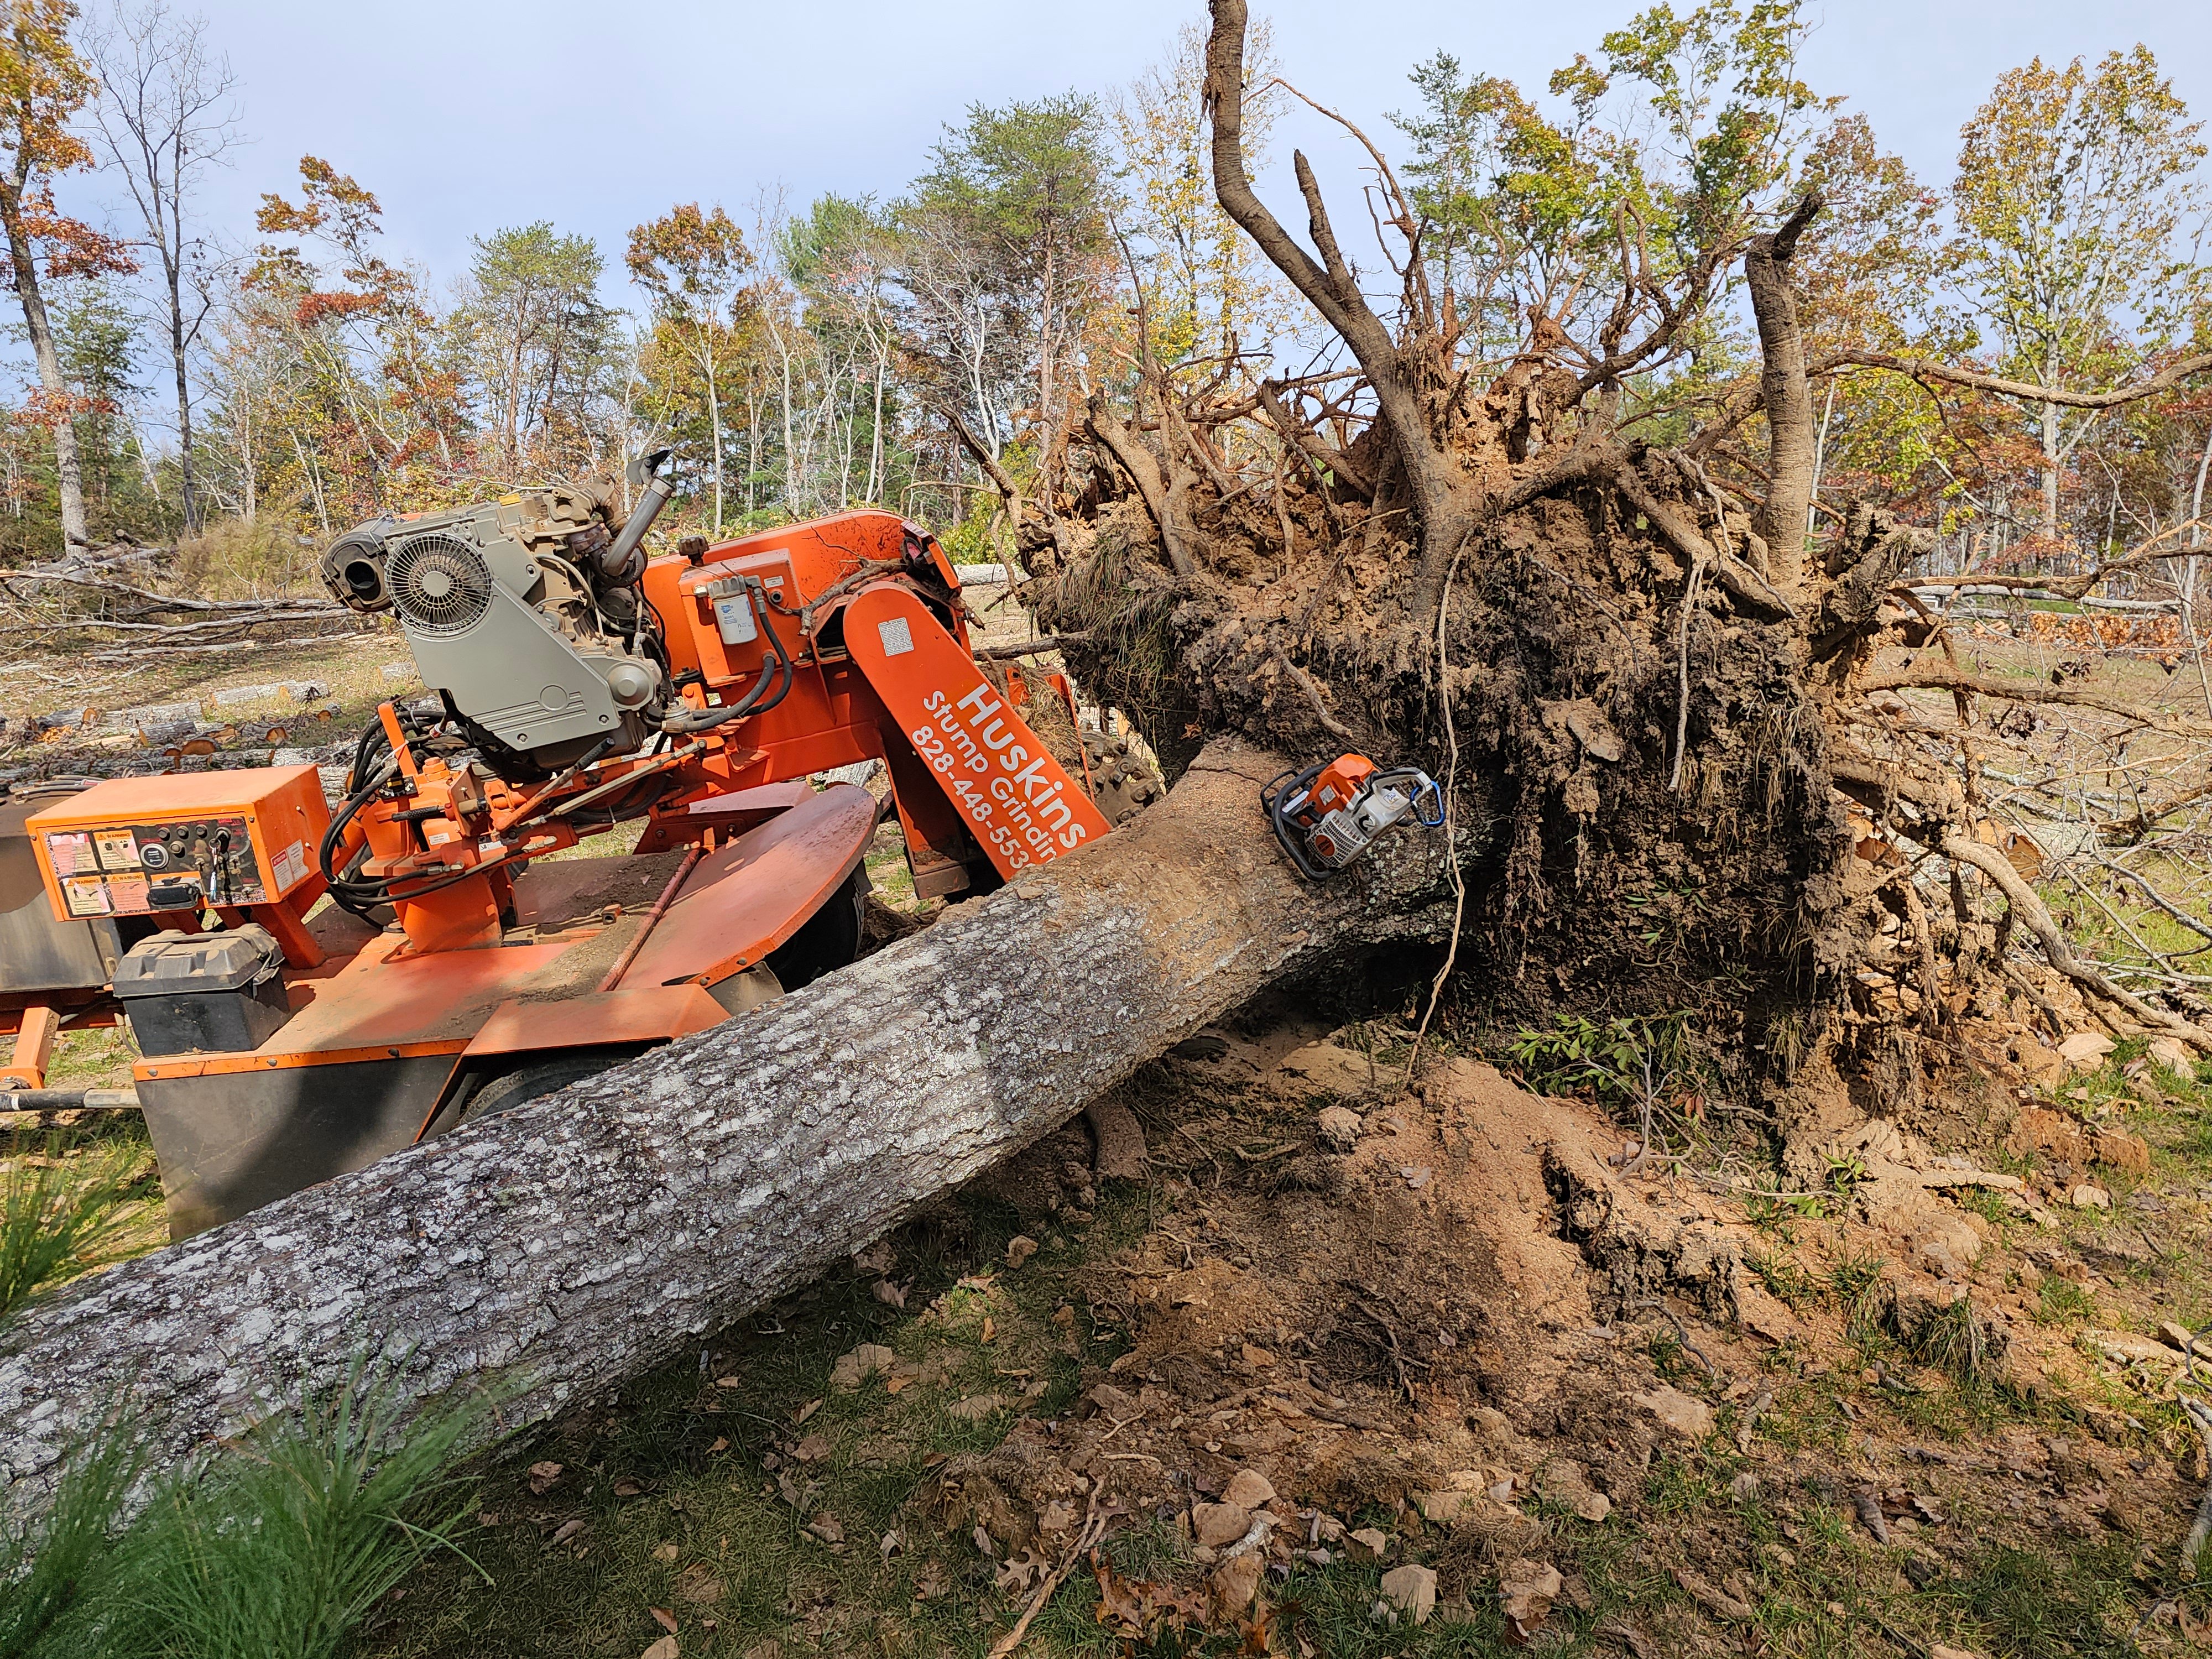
(620,562)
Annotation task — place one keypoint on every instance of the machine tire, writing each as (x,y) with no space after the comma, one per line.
(538,1077)
(1123,783)
(829,939)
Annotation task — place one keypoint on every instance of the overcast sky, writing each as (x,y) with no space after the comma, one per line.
(466,115)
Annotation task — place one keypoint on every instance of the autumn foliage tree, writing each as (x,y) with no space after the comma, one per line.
(43,85)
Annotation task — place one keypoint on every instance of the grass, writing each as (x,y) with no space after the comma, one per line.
(60,1210)
(278,1547)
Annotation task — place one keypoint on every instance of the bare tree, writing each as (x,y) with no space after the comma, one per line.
(164,114)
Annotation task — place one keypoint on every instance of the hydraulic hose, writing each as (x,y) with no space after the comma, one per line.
(695,721)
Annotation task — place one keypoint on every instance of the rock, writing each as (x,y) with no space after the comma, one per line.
(2176,1335)
(1367,1544)
(1683,1414)
(976,1407)
(1340,1128)
(2174,1055)
(1249,1489)
(862,1363)
(1114,1403)
(1593,1506)
(1019,1249)
(1526,1590)
(1411,1592)
(2085,1051)
(1443,1508)
(1120,1151)
(1218,1525)
(2087,1196)
(1235,1583)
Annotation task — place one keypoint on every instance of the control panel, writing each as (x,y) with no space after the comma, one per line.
(135,847)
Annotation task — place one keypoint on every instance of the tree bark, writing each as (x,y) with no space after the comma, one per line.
(68,476)
(1788,395)
(554,1250)
(1440,491)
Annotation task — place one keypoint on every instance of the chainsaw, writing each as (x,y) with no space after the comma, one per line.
(1329,814)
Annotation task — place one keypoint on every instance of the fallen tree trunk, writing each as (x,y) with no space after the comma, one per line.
(554,1250)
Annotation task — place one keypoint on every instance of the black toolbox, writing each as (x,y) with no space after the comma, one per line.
(204,992)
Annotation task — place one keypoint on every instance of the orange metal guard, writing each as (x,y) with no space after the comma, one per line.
(1020,804)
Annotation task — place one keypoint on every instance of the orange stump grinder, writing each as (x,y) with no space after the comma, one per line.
(578,686)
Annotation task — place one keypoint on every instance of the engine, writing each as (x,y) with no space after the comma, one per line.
(525,614)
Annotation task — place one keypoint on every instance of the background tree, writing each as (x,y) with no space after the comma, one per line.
(2077,207)
(43,84)
(165,115)
(544,341)
(696,265)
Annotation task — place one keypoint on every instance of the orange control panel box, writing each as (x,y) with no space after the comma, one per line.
(136,847)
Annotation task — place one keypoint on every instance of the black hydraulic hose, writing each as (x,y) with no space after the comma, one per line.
(706,719)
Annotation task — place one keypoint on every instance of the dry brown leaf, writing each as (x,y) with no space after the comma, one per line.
(990,1327)
(666,1648)
(812,1449)
(720,1445)
(890,1295)
(665,1619)
(892,1385)
(806,1411)
(542,1477)
(665,1552)
(627,1487)
(568,1530)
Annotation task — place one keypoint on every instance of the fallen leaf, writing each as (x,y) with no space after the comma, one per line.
(568,1530)
(892,1385)
(1057,1517)
(720,1445)
(990,1329)
(1016,1575)
(806,1411)
(487,1517)
(1020,1249)
(890,1295)
(627,1487)
(812,1449)
(699,1584)
(824,1527)
(542,1477)
(891,1544)
(729,1381)
(665,1619)
(665,1552)
(666,1648)
(1526,1590)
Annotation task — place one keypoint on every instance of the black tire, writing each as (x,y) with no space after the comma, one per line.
(829,940)
(1122,783)
(532,1079)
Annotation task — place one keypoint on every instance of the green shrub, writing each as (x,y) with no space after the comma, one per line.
(58,1212)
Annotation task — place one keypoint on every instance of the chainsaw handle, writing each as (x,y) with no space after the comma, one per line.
(1293,783)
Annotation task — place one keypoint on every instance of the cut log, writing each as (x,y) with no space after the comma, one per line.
(554,1250)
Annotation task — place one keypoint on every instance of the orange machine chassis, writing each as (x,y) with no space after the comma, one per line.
(850,634)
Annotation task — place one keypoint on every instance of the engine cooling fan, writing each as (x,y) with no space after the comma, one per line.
(439,585)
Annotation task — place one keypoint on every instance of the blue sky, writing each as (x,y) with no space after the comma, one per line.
(466,115)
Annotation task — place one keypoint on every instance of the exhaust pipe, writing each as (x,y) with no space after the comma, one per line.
(616,562)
